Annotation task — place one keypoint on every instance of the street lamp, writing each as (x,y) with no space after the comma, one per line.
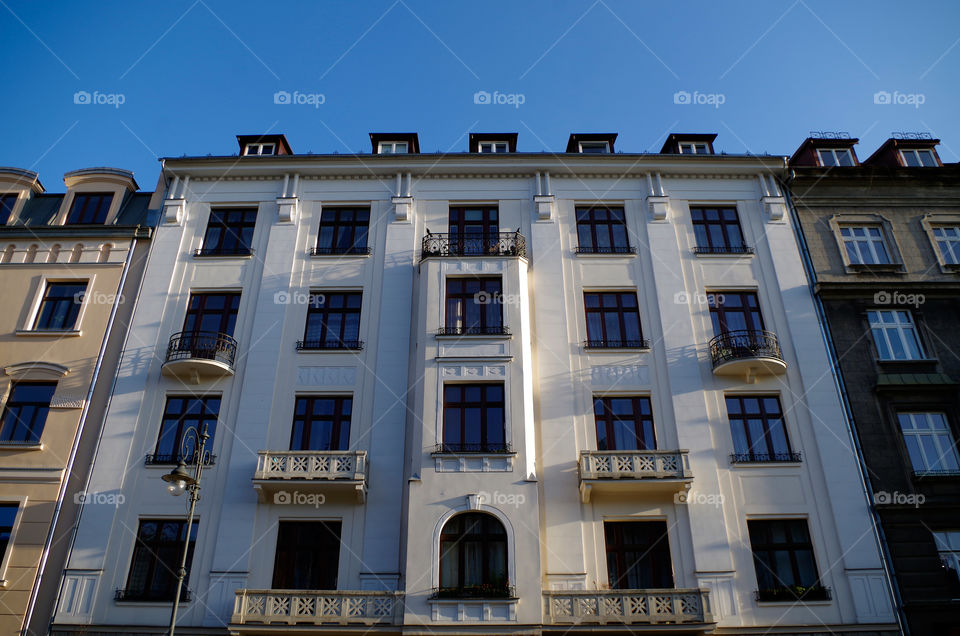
(180,481)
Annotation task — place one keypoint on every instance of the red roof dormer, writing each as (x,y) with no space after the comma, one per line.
(263,145)
(826,150)
(907,150)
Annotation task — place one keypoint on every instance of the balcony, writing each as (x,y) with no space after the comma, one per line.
(792,457)
(495,244)
(196,355)
(308,477)
(316,607)
(634,472)
(627,607)
(748,354)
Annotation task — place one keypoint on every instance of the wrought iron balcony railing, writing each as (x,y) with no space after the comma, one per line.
(498,330)
(741,345)
(165,459)
(616,344)
(223,251)
(627,606)
(321,345)
(317,607)
(493,244)
(723,249)
(202,345)
(467,447)
(345,250)
(609,249)
(746,458)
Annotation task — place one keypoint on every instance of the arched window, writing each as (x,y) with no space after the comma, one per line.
(473,557)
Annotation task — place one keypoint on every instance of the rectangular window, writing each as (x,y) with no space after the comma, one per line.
(333,321)
(474,230)
(784,561)
(26,412)
(830,157)
(229,232)
(7,201)
(473,418)
(90,208)
(638,555)
(474,306)
(948,240)
(493,146)
(308,555)
(624,423)
(734,312)
(914,158)
(8,516)
(179,414)
(865,245)
(343,231)
(594,147)
(602,230)
(156,559)
(392,148)
(894,334)
(717,230)
(321,423)
(60,306)
(259,149)
(214,313)
(693,148)
(758,430)
(613,320)
(948,549)
(929,442)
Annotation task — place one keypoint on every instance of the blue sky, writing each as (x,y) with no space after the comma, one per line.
(191,74)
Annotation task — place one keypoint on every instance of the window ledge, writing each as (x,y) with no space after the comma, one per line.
(792,603)
(474,453)
(725,255)
(907,361)
(338,351)
(4,446)
(765,464)
(604,350)
(349,256)
(219,256)
(48,332)
(864,268)
(631,254)
(474,336)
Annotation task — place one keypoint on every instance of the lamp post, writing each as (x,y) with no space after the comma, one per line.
(180,481)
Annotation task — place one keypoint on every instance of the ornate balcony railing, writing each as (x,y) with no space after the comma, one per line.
(741,345)
(485,591)
(329,345)
(610,249)
(346,250)
(223,251)
(493,244)
(321,465)
(468,447)
(638,464)
(202,345)
(746,458)
(289,607)
(171,459)
(498,330)
(616,344)
(627,606)
(723,249)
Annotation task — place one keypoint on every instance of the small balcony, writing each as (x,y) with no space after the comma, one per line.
(493,244)
(193,356)
(634,472)
(316,607)
(628,607)
(749,354)
(308,477)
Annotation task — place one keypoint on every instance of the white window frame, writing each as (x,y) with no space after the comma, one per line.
(834,154)
(594,144)
(902,327)
(692,148)
(948,547)
(14,531)
(393,148)
(847,237)
(492,147)
(916,153)
(937,432)
(949,235)
(27,329)
(260,150)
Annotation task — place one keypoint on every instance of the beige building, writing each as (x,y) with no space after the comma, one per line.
(70,268)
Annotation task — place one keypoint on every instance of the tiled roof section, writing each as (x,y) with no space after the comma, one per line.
(39,209)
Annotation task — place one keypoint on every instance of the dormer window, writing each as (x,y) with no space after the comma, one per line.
(259,150)
(7,201)
(918,157)
(693,148)
(493,147)
(393,148)
(594,147)
(830,157)
(90,208)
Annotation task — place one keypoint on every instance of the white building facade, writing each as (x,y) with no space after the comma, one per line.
(478,393)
